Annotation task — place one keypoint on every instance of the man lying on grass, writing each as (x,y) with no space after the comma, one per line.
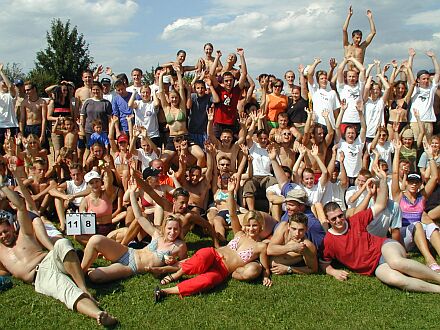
(289,249)
(349,242)
(56,273)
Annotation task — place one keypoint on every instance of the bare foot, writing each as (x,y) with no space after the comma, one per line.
(105,319)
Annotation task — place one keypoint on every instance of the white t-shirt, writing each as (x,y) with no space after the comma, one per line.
(374,115)
(145,115)
(334,193)
(132,88)
(385,153)
(351,96)
(314,194)
(324,99)
(8,118)
(109,97)
(422,99)
(72,188)
(145,158)
(277,191)
(261,162)
(353,156)
(350,192)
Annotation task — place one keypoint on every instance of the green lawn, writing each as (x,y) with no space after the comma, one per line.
(292,302)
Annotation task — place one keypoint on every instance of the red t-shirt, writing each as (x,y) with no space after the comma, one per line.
(226,110)
(356,249)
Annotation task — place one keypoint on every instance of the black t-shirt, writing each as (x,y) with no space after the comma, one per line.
(198,117)
(433,200)
(296,110)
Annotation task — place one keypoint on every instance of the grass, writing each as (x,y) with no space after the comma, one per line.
(315,301)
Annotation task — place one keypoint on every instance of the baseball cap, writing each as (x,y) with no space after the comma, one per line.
(297,195)
(91,175)
(123,137)
(419,73)
(150,171)
(166,80)
(414,177)
(408,133)
(106,81)
(18,82)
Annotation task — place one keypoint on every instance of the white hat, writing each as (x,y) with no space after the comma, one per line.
(91,175)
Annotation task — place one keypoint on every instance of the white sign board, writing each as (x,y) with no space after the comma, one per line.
(80,224)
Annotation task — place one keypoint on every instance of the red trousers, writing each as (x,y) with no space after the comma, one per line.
(211,270)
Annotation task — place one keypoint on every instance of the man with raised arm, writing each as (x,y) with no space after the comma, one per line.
(349,242)
(226,112)
(83,93)
(422,98)
(358,47)
(56,273)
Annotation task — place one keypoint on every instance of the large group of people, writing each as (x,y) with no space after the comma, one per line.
(335,171)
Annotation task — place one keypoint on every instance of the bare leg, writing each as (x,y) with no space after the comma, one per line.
(394,278)
(100,244)
(41,233)
(422,244)
(87,307)
(248,272)
(61,210)
(395,256)
(250,202)
(197,152)
(219,227)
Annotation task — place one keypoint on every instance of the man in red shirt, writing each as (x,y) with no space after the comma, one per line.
(226,112)
(349,242)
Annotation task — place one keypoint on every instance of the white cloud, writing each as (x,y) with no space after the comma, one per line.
(182,25)
(430,18)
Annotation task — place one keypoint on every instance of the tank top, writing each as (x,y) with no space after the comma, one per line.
(411,212)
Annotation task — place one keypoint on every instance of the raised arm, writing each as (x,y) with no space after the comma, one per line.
(372,28)
(360,67)
(333,64)
(277,169)
(338,134)
(432,182)
(436,66)
(360,110)
(345,27)
(161,93)
(311,70)
(232,205)
(382,195)
(324,176)
(340,71)
(422,131)
(243,68)
(395,185)
(213,70)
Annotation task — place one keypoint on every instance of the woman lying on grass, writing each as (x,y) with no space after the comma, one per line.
(165,248)
(214,266)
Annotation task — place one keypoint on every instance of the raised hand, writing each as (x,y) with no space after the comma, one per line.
(344,105)
(232,183)
(240,51)
(219,53)
(341,156)
(244,149)
(301,69)
(325,113)
(333,63)
(430,53)
(302,149)
(411,52)
(210,114)
(350,11)
(108,71)
(272,151)
(317,60)
(315,150)
(369,13)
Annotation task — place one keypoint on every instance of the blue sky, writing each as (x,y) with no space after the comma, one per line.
(276,35)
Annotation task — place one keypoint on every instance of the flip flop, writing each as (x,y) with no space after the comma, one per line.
(167,279)
(435,267)
(158,295)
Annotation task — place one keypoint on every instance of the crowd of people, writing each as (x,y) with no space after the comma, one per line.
(331,171)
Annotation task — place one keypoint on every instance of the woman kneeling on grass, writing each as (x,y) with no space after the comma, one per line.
(215,265)
(165,248)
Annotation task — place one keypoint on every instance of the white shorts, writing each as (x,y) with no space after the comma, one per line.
(52,279)
(407,234)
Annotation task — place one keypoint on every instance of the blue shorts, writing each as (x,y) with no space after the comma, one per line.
(129,260)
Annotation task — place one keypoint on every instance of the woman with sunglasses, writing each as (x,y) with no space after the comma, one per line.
(275,103)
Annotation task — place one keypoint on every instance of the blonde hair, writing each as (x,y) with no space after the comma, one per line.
(253,215)
(168,219)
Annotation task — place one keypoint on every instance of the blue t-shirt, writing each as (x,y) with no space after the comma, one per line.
(315,232)
(100,138)
(121,110)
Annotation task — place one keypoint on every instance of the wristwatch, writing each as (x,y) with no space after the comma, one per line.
(289,270)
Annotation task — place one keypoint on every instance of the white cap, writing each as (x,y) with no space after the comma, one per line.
(91,175)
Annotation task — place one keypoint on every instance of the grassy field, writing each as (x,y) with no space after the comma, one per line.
(315,301)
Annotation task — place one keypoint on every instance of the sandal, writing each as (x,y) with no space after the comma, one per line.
(435,267)
(167,279)
(105,319)
(158,295)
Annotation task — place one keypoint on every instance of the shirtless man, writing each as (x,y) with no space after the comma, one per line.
(22,256)
(179,208)
(286,153)
(196,184)
(289,249)
(33,114)
(225,146)
(315,135)
(83,93)
(357,48)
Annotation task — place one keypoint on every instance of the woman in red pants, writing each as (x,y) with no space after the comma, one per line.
(213,266)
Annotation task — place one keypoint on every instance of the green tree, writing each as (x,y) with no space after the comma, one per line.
(67,53)
(14,71)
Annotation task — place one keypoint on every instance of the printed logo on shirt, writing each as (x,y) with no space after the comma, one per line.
(227,101)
